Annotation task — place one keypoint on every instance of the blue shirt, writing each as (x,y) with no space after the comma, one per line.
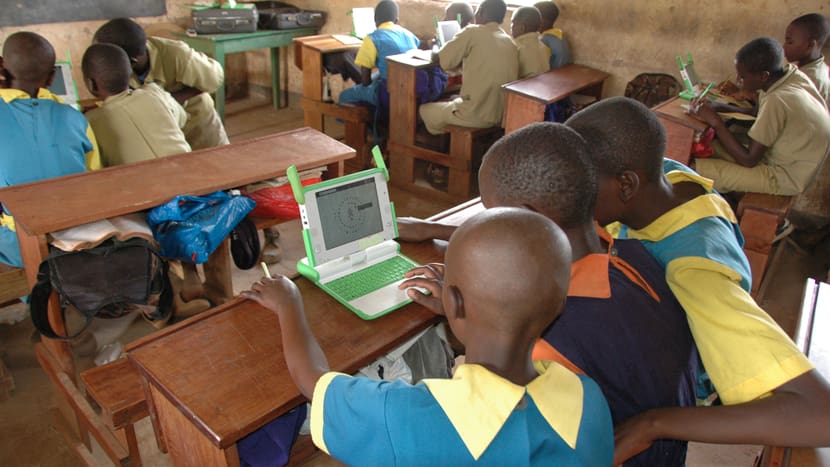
(560,51)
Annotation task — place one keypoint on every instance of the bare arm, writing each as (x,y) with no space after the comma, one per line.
(796,414)
(365,76)
(411,229)
(185,93)
(747,157)
(303,355)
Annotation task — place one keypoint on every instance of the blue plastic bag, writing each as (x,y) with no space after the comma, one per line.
(190,228)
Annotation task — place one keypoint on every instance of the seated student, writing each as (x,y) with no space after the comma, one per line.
(459,11)
(41,137)
(789,138)
(771,392)
(803,41)
(131,124)
(534,56)
(560,51)
(188,75)
(489,59)
(544,167)
(500,408)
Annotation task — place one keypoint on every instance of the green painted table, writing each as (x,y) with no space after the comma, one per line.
(219,45)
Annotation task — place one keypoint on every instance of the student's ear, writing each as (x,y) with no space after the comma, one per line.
(629,183)
(454,308)
(764,76)
(91,85)
(51,77)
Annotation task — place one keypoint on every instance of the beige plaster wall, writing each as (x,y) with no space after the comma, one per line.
(623,37)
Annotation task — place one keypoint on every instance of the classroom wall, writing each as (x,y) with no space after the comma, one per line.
(622,37)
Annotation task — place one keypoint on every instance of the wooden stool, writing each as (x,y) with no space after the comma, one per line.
(467,145)
(760,215)
(356,120)
(117,390)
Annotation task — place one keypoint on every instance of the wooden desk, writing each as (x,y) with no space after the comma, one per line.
(215,378)
(812,336)
(680,129)
(219,45)
(526,99)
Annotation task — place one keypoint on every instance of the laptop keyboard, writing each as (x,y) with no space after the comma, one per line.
(369,279)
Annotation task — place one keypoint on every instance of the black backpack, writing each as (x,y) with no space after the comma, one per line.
(100,281)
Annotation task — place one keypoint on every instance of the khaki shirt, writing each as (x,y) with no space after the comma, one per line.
(488,58)
(534,56)
(794,125)
(819,74)
(174,65)
(138,125)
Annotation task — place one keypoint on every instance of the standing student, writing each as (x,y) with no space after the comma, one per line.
(803,41)
(41,137)
(189,76)
(554,38)
(499,408)
(771,393)
(488,58)
(534,56)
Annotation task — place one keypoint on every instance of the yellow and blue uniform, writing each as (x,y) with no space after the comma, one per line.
(614,299)
(560,418)
(744,351)
(42,138)
(560,51)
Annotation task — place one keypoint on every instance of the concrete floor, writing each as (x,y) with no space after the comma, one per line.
(28,436)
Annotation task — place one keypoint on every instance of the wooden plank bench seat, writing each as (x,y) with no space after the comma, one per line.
(356,121)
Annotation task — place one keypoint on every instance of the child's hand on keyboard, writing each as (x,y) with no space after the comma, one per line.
(279,294)
(429,277)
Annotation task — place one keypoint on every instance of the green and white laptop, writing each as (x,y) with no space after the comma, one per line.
(349,228)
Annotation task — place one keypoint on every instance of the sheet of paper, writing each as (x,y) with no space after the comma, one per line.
(346,39)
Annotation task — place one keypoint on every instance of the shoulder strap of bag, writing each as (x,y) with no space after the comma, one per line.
(39,305)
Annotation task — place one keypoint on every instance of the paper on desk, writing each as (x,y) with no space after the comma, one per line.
(346,39)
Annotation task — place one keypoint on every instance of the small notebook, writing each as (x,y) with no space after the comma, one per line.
(349,228)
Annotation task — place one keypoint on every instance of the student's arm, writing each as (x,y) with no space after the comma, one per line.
(185,93)
(453,52)
(747,157)
(796,414)
(365,76)
(366,59)
(431,278)
(721,108)
(411,229)
(303,355)
(195,69)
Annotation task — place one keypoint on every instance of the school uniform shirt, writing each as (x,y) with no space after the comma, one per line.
(560,418)
(744,351)
(622,326)
(173,66)
(534,56)
(139,124)
(488,58)
(794,124)
(41,138)
(819,74)
(560,51)
(388,39)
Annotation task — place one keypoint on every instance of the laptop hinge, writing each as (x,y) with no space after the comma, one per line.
(350,263)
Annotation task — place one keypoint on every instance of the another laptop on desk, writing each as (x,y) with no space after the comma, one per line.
(349,228)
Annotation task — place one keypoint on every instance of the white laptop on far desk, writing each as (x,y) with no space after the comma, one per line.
(349,228)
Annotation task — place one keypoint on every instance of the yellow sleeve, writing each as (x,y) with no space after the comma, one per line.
(367,55)
(743,349)
(93,157)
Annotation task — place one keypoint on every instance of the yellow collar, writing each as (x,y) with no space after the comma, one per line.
(556,32)
(689,212)
(11,94)
(478,402)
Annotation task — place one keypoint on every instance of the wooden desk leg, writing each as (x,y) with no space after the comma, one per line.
(594,91)
(403,110)
(218,281)
(334,170)
(220,93)
(275,76)
(520,112)
(313,86)
(151,406)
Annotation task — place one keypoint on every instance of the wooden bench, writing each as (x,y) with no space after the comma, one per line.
(115,388)
(760,216)
(356,121)
(13,283)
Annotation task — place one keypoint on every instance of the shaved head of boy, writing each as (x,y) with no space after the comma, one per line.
(385,11)
(526,19)
(462,10)
(627,143)
(549,12)
(509,305)
(28,62)
(759,63)
(491,11)
(128,35)
(106,69)
(805,37)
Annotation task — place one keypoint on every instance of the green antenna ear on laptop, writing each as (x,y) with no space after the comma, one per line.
(296,184)
(378,157)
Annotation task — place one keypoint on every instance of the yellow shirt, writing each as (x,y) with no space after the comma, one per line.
(534,56)
(819,74)
(139,124)
(488,58)
(794,125)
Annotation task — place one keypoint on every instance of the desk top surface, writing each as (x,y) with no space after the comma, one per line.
(558,83)
(413,58)
(63,202)
(672,110)
(225,368)
(325,43)
(246,35)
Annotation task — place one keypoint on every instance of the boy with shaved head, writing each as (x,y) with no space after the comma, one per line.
(500,408)
(41,137)
(534,56)
(461,12)
(803,40)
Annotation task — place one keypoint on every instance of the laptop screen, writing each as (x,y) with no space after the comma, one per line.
(349,212)
(58,85)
